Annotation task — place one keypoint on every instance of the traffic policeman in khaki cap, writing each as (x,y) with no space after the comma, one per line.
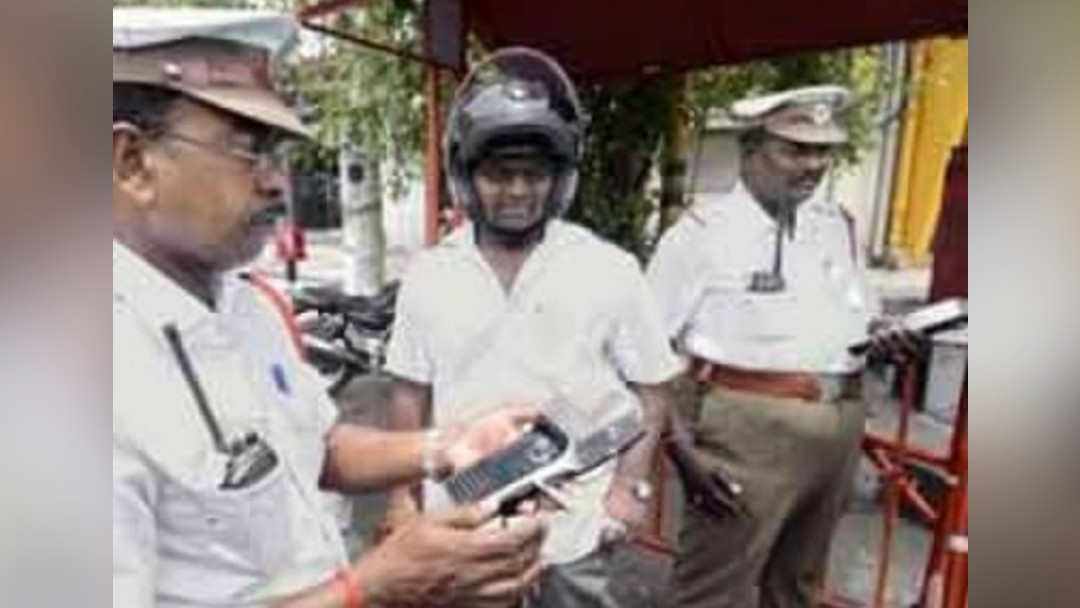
(763,291)
(223,439)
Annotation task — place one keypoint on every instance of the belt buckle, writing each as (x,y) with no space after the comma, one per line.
(832,387)
(837,387)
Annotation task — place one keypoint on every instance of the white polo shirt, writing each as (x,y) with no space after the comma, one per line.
(179,540)
(701,276)
(578,321)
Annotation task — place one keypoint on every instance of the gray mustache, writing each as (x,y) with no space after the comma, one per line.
(270,214)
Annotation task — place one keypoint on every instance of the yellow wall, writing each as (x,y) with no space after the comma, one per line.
(934,123)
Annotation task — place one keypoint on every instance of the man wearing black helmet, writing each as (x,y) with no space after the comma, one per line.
(518,305)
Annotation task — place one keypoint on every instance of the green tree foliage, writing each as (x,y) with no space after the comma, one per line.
(625,133)
(366,96)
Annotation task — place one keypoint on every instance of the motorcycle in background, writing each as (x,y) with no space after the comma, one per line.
(345,336)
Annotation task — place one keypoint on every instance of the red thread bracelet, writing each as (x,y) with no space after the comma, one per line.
(350,589)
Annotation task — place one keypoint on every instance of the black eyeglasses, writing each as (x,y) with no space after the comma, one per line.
(251,459)
(264,153)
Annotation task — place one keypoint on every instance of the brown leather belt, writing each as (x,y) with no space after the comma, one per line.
(785,385)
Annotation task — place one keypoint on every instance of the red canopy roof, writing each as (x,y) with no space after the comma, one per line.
(613,38)
(603,39)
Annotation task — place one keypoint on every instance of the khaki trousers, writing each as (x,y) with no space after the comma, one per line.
(796,461)
(585,583)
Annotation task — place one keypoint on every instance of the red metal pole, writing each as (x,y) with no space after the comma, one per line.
(955,589)
(938,564)
(893,487)
(955,584)
(909,491)
(433,158)
(935,563)
(873,441)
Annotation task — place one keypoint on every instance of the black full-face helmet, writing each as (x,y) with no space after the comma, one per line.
(517,102)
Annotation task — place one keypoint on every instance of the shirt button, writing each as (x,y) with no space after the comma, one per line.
(832,269)
(856,300)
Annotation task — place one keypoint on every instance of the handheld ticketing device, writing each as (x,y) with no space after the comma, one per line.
(929,320)
(547,452)
(514,469)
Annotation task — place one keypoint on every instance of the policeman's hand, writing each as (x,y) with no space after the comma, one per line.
(891,342)
(401,507)
(463,558)
(468,444)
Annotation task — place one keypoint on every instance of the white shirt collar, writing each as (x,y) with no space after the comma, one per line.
(556,234)
(151,294)
(559,238)
(750,209)
(465,235)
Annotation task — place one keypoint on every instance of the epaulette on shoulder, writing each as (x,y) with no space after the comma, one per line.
(703,212)
(849,221)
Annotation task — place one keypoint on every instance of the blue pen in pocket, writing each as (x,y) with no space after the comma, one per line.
(281,381)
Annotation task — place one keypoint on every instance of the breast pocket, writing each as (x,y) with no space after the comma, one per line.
(300,417)
(252,526)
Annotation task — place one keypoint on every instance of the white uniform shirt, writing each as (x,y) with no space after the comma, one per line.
(701,275)
(579,321)
(178,539)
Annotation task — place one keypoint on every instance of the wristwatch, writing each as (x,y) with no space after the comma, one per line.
(641,490)
(429,455)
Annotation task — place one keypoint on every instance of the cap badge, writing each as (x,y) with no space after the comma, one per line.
(821,114)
